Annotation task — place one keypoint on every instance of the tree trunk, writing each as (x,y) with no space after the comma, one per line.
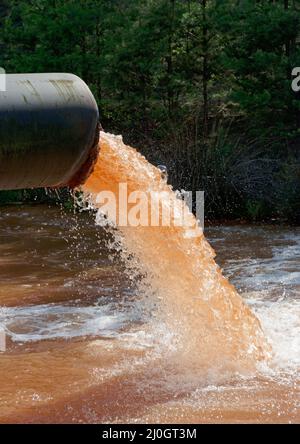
(170,91)
(205,71)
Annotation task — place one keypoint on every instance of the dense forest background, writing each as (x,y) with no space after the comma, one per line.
(202,86)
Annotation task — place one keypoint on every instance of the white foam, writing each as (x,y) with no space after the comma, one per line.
(280,320)
(270,285)
(53,321)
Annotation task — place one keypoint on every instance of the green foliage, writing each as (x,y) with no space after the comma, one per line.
(254,209)
(262,50)
(39,195)
(202,85)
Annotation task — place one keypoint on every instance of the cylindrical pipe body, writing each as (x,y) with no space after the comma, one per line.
(49,128)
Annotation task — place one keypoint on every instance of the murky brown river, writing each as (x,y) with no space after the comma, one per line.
(79,345)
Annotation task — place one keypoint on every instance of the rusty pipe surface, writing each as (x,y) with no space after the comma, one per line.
(49,131)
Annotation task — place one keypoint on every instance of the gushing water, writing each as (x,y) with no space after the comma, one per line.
(210,324)
(167,339)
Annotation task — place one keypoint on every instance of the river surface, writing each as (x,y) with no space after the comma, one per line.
(79,347)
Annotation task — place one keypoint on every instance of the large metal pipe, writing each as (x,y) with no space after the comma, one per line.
(49,130)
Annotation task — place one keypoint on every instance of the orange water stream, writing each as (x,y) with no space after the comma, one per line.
(213,327)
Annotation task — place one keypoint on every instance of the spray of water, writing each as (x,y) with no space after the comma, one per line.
(211,325)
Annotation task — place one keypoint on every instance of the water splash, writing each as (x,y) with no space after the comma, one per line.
(212,325)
